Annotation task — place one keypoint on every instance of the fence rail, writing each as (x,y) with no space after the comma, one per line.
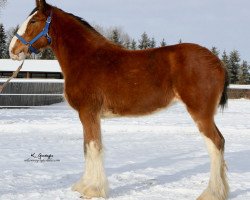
(238,93)
(31,93)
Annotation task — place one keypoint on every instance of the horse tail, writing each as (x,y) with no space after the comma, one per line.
(224,96)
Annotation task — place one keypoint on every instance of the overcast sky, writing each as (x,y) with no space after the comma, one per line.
(221,23)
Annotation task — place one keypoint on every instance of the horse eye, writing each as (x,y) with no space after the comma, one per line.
(32,21)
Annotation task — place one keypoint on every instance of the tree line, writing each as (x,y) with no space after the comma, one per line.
(238,70)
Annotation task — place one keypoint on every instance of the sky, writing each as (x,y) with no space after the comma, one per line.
(221,23)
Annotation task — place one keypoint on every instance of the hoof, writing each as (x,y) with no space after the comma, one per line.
(89,191)
(207,195)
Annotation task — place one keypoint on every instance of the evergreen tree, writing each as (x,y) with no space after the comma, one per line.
(180,41)
(3,44)
(225,60)
(234,65)
(10,34)
(115,36)
(133,45)
(47,54)
(244,75)
(248,69)
(152,43)
(215,51)
(144,42)
(163,43)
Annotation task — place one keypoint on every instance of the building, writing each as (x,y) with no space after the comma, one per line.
(38,69)
(40,82)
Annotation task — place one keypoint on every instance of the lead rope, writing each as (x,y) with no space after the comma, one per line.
(14,75)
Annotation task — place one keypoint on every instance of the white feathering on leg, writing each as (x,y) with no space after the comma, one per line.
(218,188)
(94,182)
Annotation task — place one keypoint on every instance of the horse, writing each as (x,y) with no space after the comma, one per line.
(103,79)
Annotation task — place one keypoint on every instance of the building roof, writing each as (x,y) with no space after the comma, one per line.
(8,65)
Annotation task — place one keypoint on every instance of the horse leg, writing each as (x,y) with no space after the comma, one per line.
(218,188)
(94,182)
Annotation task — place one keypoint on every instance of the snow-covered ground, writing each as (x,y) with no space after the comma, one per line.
(165,160)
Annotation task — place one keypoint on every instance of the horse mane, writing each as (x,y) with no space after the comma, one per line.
(79,19)
(33,11)
(82,21)
(85,24)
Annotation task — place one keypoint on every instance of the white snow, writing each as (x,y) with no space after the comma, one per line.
(33,80)
(30,65)
(239,86)
(157,157)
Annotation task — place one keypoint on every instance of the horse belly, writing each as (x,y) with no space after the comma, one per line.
(136,105)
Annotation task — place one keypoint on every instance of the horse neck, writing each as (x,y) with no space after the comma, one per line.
(72,41)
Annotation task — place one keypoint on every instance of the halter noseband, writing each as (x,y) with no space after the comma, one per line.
(43,33)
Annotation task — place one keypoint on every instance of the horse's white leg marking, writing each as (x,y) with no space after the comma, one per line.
(218,188)
(21,31)
(94,182)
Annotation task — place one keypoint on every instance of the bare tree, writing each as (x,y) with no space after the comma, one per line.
(2,3)
(10,34)
(124,38)
(115,34)
(100,29)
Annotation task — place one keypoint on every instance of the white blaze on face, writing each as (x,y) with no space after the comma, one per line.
(20,32)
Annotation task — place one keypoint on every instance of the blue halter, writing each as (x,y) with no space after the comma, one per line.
(43,33)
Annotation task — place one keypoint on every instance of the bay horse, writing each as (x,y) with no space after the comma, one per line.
(103,79)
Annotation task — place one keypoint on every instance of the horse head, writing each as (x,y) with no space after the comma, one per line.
(33,34)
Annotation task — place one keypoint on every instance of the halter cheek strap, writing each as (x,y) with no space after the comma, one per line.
(43,33)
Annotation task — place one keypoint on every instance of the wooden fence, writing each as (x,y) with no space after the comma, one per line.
(238,93)
(31,93)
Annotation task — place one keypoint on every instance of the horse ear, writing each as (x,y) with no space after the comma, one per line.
(41,5)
